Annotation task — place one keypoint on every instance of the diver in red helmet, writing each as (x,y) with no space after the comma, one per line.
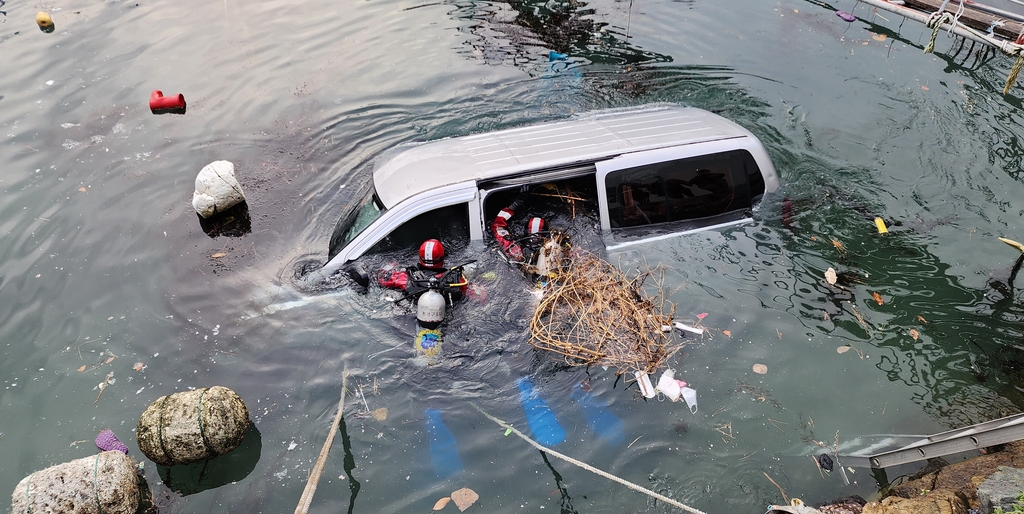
(414,279)
(521,250)
(431,254)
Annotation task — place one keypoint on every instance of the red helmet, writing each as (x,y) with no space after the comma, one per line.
(535,225)
(432,254)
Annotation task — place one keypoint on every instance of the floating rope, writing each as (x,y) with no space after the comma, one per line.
(1011,79)
(318,468)
(588,467)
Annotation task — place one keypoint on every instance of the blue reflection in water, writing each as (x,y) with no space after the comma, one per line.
(444,454)
(606,425)
(543,425)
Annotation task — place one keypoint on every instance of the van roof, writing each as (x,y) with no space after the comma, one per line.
(588,137)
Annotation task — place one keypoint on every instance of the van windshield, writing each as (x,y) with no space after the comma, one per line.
(355,221)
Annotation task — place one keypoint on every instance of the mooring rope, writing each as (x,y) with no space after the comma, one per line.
(1011,79)
(318,468)
(936,25)
(588,467)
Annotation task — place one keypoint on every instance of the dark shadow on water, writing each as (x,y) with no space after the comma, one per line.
(234,222)
(225,469)
(565,503)
(350,464)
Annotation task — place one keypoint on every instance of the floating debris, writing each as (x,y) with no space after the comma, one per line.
(464,498)
(592,313)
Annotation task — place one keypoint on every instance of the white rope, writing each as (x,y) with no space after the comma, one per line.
(956,17)
(588,467)
(318,469)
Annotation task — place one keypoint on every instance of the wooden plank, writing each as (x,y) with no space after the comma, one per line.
(972,17)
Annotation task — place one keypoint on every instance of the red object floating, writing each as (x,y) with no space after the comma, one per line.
(158,103)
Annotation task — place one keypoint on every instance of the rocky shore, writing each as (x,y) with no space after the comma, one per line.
(978,485)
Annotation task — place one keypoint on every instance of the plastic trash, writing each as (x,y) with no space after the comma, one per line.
(644,381)
(44,21)
(543,425)
(847,17)
(158,103)
(668,386)
(107,441)
(796,506)
(688,328)
(691,398)
(444,453)
(880,225)
(601,421)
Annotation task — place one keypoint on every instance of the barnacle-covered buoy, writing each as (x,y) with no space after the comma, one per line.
(105,483)
(192,426)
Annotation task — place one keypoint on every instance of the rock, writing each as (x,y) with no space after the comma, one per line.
(1001,490)
(848,505)
(217,190)
(932,502)
(105,483)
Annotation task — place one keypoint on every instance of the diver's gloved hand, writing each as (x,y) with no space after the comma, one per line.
(520,201)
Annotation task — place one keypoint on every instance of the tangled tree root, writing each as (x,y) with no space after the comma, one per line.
(592,313)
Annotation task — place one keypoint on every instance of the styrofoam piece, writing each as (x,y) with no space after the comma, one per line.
(691,398)
(688,328)
(217,189)
(646,387)
(668,386)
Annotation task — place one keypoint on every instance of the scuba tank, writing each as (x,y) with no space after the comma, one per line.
(430,306)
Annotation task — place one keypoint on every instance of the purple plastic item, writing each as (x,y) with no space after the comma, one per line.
(107,441)
(846,16)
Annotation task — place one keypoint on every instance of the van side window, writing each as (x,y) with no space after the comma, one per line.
(684,189)
(449,224)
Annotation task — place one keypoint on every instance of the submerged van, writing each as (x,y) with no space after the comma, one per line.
(655,172)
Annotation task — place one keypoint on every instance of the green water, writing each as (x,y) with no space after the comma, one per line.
(101,255)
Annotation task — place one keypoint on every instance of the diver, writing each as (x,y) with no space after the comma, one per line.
(539,252)
(429,284)
(523,250)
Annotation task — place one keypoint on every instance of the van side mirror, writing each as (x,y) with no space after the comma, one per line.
(358,274)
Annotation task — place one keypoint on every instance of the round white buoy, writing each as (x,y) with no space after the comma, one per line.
(217,190)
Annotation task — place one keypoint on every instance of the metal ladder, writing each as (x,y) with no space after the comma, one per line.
(974,437)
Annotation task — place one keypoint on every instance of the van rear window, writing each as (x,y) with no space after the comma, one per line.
(684,189)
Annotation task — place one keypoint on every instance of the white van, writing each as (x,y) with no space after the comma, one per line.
(655,171)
